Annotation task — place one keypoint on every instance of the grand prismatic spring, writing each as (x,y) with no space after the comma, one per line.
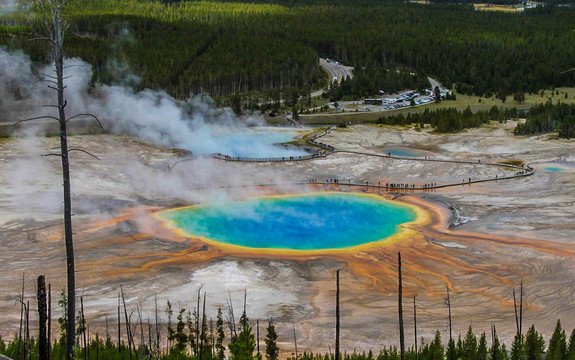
(300,222)
(478,240)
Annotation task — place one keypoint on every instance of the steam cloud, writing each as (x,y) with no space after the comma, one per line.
(151,116)
(157,118)
(9,6)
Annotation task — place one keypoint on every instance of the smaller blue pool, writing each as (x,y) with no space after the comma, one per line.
(554,169)
(404,152)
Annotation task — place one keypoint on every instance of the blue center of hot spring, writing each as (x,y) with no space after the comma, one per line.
(301,222)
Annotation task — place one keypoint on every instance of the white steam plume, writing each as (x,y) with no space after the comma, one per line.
(10,6)
(125,175)
(152,116)
(157,118)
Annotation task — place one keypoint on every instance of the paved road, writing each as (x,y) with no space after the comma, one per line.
(336,70)
(434,83)
(317,93)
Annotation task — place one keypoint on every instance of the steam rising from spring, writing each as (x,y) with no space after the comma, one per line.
(151,116)
(130,175)
(9,6)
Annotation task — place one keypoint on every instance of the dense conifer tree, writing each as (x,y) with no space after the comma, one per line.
(557,349)
(219,344)
(178,336)
(517,348)
(469,346)
(482,350)
(272,349)
(436,350)
(243,347)
(534,344)
(571,348)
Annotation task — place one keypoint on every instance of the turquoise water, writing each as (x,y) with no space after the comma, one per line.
(302,222)
(551,168)
(256,144)
(406,152)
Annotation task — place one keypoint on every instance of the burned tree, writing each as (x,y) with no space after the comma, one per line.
(415,326)
(337,316)
(43,347)
(448,304)
(400,307)
(50,12)
(295,341)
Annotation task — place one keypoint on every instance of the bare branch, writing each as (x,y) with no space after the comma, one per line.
(85,152)
(51,154)
(44,80)
(50,76)
(43,38)
(37,118)
(72,65)
(566,71)
(90,115)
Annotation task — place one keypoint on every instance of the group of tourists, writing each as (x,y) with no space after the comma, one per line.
(408,186)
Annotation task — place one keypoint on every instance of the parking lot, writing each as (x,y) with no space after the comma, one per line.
(385,102)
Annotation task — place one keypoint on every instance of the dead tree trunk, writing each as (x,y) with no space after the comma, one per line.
(198,322)
(295,341)
(448,303)
(67,199)
(521,308)
(415,326)
(42,319)
(516,315)
(149,348)
(56,27)
(400,307)
(21,320)
(27,347)
(494,342)
(119,330)
(204,325)
(49,320)
(83,320)
(258,336)
(128,328)
(232,322)
(337,315)
(157,329)
(142,339)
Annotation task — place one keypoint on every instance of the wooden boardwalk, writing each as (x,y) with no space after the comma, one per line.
(519,171)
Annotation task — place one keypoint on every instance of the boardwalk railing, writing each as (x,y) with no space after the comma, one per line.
(520,171)
(421,187)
